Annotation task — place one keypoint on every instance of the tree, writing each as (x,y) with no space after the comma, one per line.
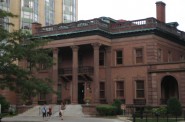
(20,46)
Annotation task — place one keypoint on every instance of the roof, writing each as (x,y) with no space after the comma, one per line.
(111,28)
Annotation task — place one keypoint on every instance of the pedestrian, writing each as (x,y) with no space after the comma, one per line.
(61,112)
(49,113)
(43,109)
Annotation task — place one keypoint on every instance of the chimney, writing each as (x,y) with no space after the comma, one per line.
(35,26)
(160,11)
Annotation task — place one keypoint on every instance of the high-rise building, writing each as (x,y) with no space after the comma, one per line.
(46,12)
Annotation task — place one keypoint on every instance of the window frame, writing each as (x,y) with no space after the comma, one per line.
(140,89)
(102,59)
(118,96)
(102,91)
(141,56)
(169,56)
(119,59)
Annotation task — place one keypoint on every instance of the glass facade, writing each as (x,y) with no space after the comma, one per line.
(31,9)
(5,5)
(69,11)
(29,13)
(49,12)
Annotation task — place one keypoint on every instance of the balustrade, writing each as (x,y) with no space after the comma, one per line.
(82,70)
(111,27)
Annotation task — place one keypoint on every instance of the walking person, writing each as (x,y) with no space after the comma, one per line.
(49,113)
(61,112)
(43,109)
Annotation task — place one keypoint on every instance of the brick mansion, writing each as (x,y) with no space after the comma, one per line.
(140,62)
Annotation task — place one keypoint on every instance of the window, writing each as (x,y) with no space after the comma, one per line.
(169,56)
(49,12)
(26,25)
(120,89)
(102,90)
(80,60)
(29,15)
(42,66)
(69,10)
(102,59)
(119,57)
(182,58)
(159,55)
(139,55)
(140,89)
(28,3)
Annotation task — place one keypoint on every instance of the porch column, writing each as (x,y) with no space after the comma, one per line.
(96,47)
(55,74)
(75,75)
(108,92)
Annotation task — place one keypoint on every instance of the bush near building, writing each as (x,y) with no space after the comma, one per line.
(174,107)
(106,110)
(117,103)
(110,110)
(4,104)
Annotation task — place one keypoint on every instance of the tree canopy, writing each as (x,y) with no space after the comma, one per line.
(18,46)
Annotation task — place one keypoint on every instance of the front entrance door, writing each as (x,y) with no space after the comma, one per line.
(169,88)
(80,93)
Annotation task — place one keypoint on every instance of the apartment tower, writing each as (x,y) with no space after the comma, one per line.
(46,12)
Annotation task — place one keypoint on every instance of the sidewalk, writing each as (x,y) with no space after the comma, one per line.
(124,118)
(56,119)
(34,119)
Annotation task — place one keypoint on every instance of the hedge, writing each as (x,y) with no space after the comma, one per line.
(106,110)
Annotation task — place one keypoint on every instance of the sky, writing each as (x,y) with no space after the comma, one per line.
(131,10)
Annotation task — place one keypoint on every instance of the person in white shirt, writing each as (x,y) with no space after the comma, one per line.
(61,112)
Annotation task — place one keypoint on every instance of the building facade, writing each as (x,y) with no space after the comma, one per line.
(46,12)
(140,62)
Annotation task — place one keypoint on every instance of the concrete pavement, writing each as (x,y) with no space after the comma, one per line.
(73,113)
(57,119)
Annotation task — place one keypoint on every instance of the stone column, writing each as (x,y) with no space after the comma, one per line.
(108,90)
(75,75)
(55,74)
(96,47)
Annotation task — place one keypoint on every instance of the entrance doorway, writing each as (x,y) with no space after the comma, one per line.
(169,88)
(81,93)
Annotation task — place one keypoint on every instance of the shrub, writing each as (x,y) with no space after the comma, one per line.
(117,103)
(162,110)
(4,104)
(106,110)
(174,107)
